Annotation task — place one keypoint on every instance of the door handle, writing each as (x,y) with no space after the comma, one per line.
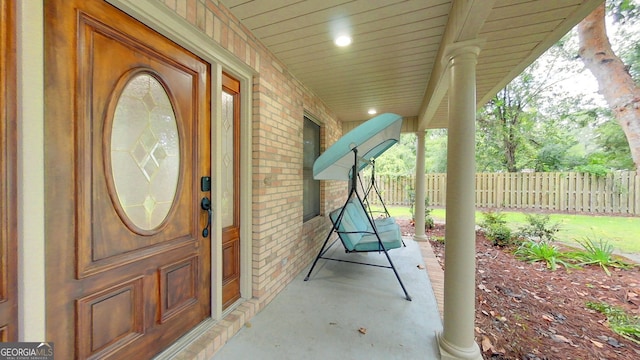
(205,204)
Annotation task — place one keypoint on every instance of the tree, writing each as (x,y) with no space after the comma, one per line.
(615,82)
(529,123)
(435,151)
(400,159)
(612,149)
(502,125)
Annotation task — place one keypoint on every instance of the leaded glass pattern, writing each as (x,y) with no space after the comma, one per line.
(145,152)
(228,179)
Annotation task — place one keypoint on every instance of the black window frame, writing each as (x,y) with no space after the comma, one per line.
(311,187)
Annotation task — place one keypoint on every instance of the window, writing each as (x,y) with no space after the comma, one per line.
(311,187)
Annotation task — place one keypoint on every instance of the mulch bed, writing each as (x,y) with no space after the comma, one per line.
(525,311)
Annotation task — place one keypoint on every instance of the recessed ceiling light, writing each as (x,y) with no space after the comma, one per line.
(343,41)
(372,111)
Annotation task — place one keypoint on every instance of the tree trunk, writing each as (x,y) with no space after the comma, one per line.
(614,81)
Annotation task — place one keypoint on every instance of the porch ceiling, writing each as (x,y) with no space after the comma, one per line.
(395,61)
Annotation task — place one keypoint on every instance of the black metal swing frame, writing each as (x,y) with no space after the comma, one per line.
(353,192)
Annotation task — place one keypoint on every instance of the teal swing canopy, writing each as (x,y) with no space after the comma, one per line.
(371,139)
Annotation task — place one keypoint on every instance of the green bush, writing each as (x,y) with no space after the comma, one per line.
(539,228)
(428,220)
(492,217)
(532,251)
(597,253)
(498,234)
(495,228)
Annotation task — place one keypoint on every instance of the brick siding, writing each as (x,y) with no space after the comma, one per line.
(282,244)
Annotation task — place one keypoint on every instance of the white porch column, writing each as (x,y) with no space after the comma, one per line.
(457,338)
(419,188)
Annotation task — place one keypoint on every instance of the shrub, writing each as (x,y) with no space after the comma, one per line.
(495,228)
(491,217)
(498,234)
(600,253)
(428,220)
(532,251)
(539,228)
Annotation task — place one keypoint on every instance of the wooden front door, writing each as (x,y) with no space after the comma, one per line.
(8,173)
(230,190)
(127,132)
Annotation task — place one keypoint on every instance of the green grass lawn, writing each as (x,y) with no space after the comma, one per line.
(621,232)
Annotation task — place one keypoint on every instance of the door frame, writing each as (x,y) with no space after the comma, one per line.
(159,18)
(8,135)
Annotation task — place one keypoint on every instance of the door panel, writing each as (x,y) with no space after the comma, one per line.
(8,173)
(230,267)
(114,72)
(230,190)
(127,140)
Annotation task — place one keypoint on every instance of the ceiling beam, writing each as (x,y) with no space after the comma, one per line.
(465,22)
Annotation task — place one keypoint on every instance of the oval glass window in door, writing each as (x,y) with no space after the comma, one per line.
(145,152)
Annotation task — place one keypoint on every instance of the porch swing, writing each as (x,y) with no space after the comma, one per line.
(383,216)
(355,227)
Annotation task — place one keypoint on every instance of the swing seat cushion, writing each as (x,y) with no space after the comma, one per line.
(390,239)
(382,224)
(356,232)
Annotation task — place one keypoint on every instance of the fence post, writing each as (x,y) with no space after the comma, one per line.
(636,193)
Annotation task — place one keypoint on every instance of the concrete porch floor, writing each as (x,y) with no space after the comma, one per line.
(321,318)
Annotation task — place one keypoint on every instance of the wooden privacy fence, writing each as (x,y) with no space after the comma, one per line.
(616,193)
